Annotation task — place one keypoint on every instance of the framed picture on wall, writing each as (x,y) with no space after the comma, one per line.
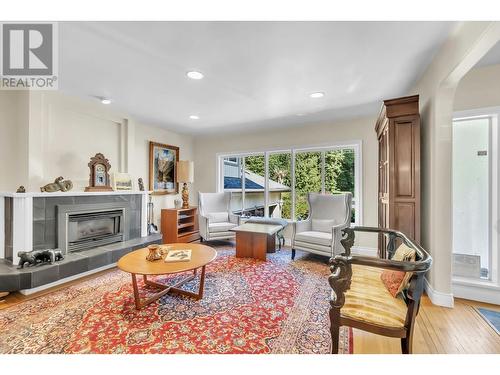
(163,168)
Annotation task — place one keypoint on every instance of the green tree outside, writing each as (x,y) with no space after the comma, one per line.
(339,175)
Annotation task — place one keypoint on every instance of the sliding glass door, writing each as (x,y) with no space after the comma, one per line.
(255,201)
(275,183)
(308,177)
(232,173)
(340,174)
(280,182)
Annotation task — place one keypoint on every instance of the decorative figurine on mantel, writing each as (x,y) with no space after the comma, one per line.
(99,174)
(141,184)
(21,189)
(39,257)
(59,184)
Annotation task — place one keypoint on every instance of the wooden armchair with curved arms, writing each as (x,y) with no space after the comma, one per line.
(361,300)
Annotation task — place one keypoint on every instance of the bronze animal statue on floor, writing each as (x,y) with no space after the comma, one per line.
(58,184)
(38,257)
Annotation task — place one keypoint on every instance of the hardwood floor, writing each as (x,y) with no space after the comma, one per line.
(438,329)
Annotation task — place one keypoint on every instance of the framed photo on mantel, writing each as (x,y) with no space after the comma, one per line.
(163,168)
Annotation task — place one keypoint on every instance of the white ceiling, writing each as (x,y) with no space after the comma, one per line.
(256,73)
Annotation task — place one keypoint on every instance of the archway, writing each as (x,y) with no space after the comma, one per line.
(464,51)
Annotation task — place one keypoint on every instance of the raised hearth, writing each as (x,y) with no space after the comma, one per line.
(76,263)
(92,230)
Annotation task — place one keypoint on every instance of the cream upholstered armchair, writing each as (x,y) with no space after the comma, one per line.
(320,233)
(215,217)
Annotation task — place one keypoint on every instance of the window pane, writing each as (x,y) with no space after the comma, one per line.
(471,198)
(280,192)
(307,180)
(339,173)
(254,185)
(232,169)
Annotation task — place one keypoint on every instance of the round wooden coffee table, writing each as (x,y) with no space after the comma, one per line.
(135,263)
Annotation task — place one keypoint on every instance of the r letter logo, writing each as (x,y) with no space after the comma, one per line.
(28,56)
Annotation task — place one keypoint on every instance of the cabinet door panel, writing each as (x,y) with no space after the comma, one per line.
(404,168)
(404,218)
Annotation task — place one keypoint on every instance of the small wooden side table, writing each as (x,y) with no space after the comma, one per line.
(255,240)
(135,263)
(179,225)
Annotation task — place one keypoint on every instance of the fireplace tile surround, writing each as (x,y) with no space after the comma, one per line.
(29,221)
(45,215)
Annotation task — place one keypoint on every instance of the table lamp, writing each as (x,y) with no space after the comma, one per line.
(185,174)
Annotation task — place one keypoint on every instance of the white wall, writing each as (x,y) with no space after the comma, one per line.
(479,88)
(206,148)
(64,133)
(60,133)
(13,135)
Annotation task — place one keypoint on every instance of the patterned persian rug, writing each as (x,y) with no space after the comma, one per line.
(249,306)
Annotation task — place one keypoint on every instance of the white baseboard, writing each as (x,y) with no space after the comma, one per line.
(27,292)
(487,294)
(438,298)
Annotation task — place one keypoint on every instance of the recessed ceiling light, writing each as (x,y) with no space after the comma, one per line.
(195,75)
(316,95)
(194,117)
(105,101)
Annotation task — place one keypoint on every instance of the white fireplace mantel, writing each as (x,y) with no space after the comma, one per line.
(71,193)
(22,220)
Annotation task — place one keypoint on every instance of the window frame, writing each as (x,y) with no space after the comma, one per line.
(355,145)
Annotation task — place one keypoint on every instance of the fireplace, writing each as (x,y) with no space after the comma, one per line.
(87,230)
(86,226)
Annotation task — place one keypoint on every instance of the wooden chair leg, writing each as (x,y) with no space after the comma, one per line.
(406,346)
(293,254)
(334,331)
(407,342)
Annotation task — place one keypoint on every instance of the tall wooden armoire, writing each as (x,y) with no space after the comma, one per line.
(398,132)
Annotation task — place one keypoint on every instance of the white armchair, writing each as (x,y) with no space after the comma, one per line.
(321,233)
(215,218)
